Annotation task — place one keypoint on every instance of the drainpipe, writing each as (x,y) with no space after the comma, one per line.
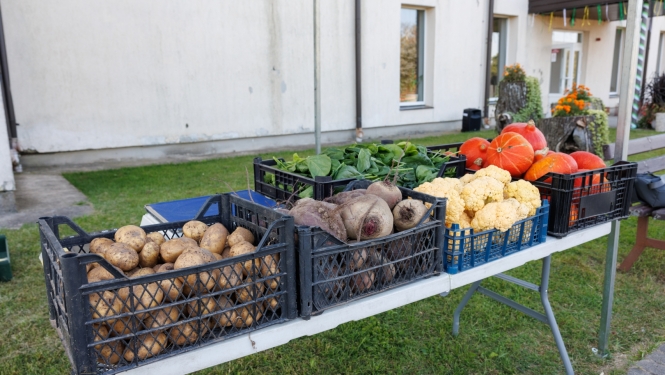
(488,60)
(8,103)
(359,113)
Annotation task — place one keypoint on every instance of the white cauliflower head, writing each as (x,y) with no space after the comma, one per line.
(525,193)
(495,215)
(481,191)
(445,188)
(489,171)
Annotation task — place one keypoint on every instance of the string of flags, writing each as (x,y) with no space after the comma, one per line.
(586,18)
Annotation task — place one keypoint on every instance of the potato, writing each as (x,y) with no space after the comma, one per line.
(105,304)
(147,346)
(108,353)
(226,253)
(207,280)
(230,276)
(122,256)
(269,268)
(187,332)
(248,315)
(142,272)
(155,237)
(157,266)
(217,256)
(239,235)
(362,282)
(246,248)
(272,303)
(205,254)
(194,229)
(100,245)
(98,274)
(149,256)
(224,318)
(125,326)
(131,235)
(172,288)
(171,250)
(251,291)
(214,238)
(202,306)
(162,317)
(144,297)
(188,241)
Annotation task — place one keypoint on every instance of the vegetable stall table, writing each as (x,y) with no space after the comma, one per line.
(280,334)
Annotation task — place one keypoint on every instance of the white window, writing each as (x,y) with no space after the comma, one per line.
(412,57)
(615,79)
(660,65)
(499,36)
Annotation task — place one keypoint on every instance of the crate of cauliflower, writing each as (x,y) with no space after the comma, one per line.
(488,216)
(123,298)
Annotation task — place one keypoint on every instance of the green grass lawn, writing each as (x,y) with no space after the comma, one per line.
(414,339)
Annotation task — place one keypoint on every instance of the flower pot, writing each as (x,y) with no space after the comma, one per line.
(571,133)
(659,122)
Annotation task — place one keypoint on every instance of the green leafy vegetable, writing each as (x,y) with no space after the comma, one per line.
(319,165)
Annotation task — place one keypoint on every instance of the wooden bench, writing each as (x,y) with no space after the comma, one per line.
(642,211)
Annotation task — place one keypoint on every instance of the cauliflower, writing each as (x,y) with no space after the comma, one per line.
(489,171)
(445,188)
(525,192)
(481,191)
(495,215)
(521,209)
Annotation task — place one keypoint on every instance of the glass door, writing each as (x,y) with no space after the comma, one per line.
(566,63)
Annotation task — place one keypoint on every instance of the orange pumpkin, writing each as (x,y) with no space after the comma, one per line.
(541,154)
(557,162)
(510,151)
(530,132)
(475,150)
(587,160)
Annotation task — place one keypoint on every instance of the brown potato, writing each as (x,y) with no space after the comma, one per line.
(248,315)
(142,272)
(202,306)
(105,304)
(207,280)
(188,241)
(251,291)
(144,297)
(125,326)
(214,238)
(164,267)
(217,256)
(269,267)
(205,254)
(162,317)
(122,256)
(194,229)
(362,282)
(100,245)
(230,276)
(108,353)
(98,274)
(171,250)
(272,303)
(156,237)
(240,234)
(226,253)
(147,345)
(171,287)
(149,256)
(187,332)
(131,235)
(224,318)
(246,248)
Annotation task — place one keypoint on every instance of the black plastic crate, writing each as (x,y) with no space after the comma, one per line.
(332,273)
(466,249)
(119,324)
(601,195)
(289,186)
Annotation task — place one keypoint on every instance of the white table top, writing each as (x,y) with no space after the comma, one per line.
(273,336)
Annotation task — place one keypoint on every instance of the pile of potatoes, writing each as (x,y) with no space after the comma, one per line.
(137,253)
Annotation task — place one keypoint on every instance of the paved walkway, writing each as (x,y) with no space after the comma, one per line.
(653,364)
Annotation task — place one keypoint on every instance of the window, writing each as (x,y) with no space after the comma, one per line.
(661,61)
(615,79)
(412,57)
(498,55)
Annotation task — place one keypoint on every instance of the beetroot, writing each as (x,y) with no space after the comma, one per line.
(387,191)
(408,213)
(345,196)
(324,215)
(366,217)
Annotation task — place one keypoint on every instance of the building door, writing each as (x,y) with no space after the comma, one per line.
(566,63)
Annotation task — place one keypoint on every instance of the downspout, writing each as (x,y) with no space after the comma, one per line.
(359,113)
(488,60)
(6,91)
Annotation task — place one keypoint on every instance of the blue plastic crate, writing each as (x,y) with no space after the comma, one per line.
(465,249)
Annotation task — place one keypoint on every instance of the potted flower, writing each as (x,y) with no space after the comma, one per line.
(519,98)
(574,125)
(653,108)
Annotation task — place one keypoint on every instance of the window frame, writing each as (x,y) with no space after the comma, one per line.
(617,61)
(421,19)
(503,51)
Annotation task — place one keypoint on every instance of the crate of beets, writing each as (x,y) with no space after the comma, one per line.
(111,319)
(338,265)
(321,176)
(582,199)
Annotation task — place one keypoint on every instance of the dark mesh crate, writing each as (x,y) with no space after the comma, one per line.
(121,323)
(333,273)
(289,186)
(584,199)
(465,249)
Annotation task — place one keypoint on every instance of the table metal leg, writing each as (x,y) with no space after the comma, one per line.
(547,318)
(461,305)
